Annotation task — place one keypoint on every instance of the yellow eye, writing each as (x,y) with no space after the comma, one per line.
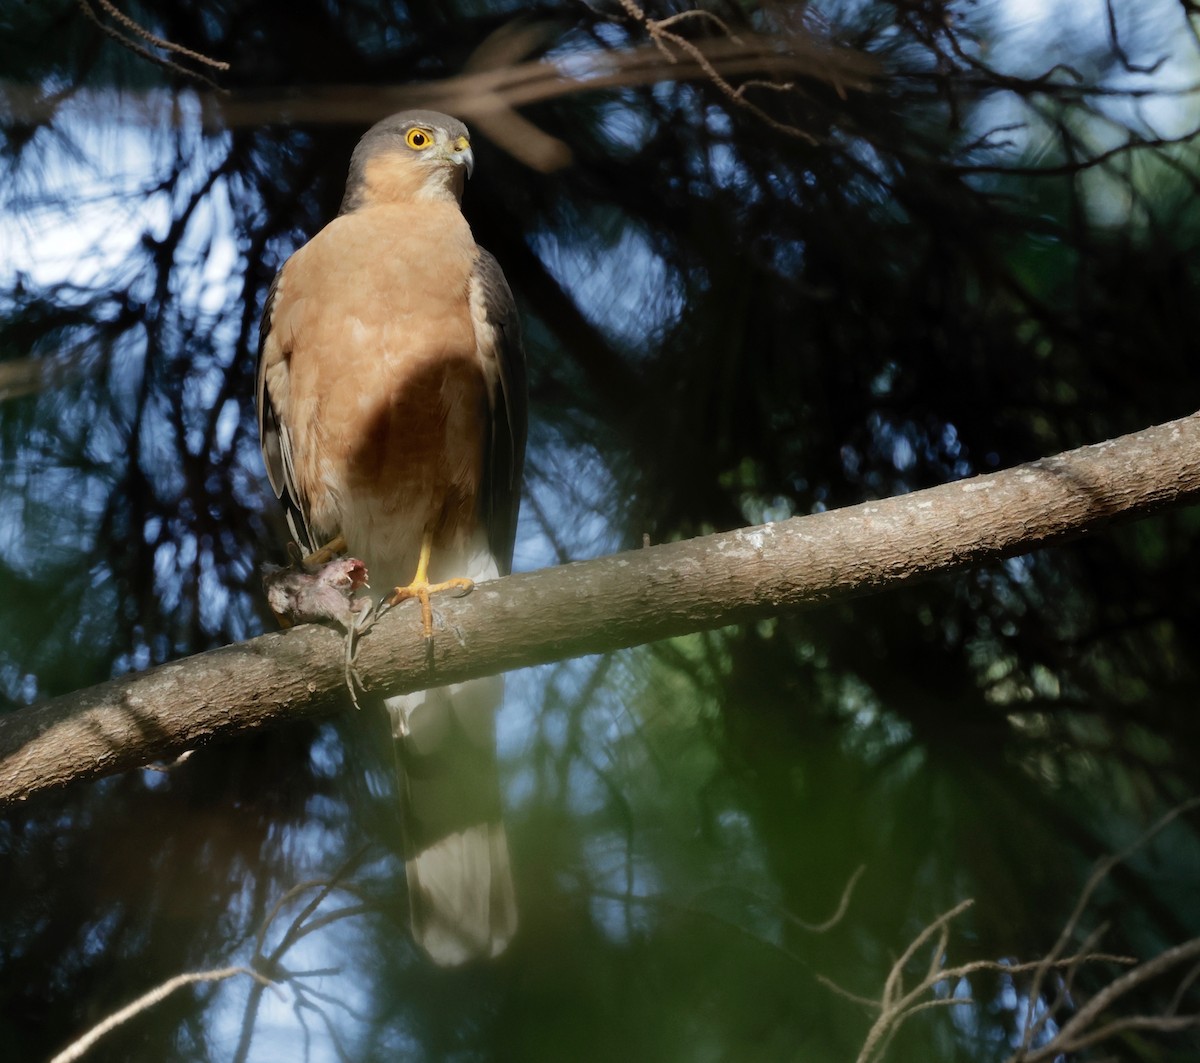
(418,138)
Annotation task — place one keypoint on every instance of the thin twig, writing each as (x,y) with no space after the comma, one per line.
(147,1000)
(664,38)
(1100,872)
(137,30)
(159,42)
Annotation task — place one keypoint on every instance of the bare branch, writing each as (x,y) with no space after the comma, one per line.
(1114,40)
(838,913)
(133,31)
(300,926)
(1034,1024)
(665,38)
(896,1006)
(77,1048)
(1081,1031)
(261,964)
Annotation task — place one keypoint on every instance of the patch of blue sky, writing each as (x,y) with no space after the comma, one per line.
(1032,36)
(228,420)
(625,288)
(1020,569)
(625,125)
(106,182)
(615,873)
(18,686)
(874,732)
(756,509)
(569,505)
(568,508)
(726,171)
(577,55)
(50,513)
(170,557)
(208,247)
(336,949)
(92,204)
(567,724)
(1027,1015)
(201,390)
(279,1029)
(213,596)
(1030,30)
(139,659)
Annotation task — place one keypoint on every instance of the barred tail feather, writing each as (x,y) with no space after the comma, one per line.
(459,876)
(461,894)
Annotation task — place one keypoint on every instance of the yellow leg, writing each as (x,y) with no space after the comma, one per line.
(328,552)
(421,588)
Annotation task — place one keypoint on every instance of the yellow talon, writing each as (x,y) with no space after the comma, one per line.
(421,588)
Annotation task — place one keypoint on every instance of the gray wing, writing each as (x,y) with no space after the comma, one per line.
(504,460)
(273,435)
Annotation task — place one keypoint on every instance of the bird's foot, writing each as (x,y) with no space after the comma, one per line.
(421,590)
(325,554)
(360,624)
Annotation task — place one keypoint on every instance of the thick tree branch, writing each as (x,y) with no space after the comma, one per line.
(595,606)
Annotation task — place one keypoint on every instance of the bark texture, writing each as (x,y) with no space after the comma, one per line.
(593,606)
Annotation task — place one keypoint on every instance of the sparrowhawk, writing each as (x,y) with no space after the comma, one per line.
(392,413)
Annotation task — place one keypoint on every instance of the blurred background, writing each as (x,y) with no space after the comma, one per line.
(946,238)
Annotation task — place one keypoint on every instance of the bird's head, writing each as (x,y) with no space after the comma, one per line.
(410,157)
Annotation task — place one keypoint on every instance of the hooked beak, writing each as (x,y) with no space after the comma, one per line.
(459,152)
